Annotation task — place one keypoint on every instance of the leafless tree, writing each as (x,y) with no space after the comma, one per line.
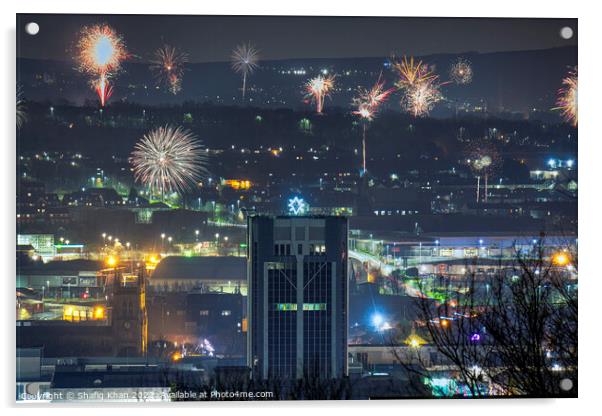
(511,332)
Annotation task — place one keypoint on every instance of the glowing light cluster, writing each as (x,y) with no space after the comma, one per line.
(100,51)
(169,159)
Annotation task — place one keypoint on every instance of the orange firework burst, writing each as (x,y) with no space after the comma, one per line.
(419,84)
(100,51)
(319,88)
(168,66)
(412,73)
(567,97)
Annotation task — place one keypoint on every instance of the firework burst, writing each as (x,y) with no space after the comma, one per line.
(419,85)
(100,51)
(411,73)
(244,61)
(461,72)
(483,159)
(420,99)
(318,89)
(168,67)
(20,105)
(567,97)
(169,159)
(367,104)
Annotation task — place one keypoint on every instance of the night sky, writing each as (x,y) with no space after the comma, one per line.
(211,38)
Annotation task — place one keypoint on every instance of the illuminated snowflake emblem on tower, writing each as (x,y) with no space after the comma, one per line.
(297,206)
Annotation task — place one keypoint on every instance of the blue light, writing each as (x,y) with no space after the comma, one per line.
(552,163)
(569,163)
(297,206)
(103,51)
(377,320)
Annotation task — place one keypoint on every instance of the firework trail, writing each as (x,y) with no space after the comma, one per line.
(483,160)
(169,159)
(20,106)
(100,51)
(319,88)
(461,72)
(168,67)
(367,104)
(567,97)
(244,61)
(419,85)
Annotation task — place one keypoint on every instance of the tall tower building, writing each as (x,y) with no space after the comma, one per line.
(128,314)
(297,297)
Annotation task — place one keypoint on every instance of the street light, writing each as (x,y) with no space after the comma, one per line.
(560,259)
(112,261)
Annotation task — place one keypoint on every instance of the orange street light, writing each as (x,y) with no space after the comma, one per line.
(112,261)
(560,259)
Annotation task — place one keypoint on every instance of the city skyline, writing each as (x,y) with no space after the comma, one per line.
(277,208)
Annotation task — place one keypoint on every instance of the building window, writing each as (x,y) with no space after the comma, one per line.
(226,312)
(285,306)
(204,312)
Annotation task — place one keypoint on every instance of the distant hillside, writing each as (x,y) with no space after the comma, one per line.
(509,81)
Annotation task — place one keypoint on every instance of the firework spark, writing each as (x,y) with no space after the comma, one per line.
(318,89)
(567,97)
(100,51)
(21,114)
(168,67)
(244,61)
(169,159)
(461,72)
(367,103)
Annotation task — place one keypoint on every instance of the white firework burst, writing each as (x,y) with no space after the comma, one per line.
(461,72)
(169,159)
(244,61)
